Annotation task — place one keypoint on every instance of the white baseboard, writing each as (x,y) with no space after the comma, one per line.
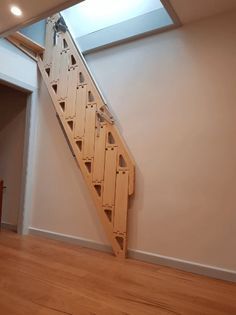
(205,270)
(83,242)
(189,266)
(8,226)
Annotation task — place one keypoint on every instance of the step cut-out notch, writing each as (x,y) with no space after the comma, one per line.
(54,86)
(81,77)
(120,241)
(63,106)
(71,124)
(65,45)
(98,189)
(122,162)
(88,166)
(108,213)
(73,61)
(47,71)
(110,138)
(79,144)
(90,97)
(100,118)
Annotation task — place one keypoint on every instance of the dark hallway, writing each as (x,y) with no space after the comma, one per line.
(12,134)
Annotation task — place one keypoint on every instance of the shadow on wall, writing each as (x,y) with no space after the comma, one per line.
(9,108)
(12,134)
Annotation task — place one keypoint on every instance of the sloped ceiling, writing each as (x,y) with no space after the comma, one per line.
(187,10)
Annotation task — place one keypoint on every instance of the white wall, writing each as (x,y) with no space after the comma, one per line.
(174,96)
(16,65)
(12,134)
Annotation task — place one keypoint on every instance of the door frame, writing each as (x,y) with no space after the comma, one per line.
(28,152)
(1,198)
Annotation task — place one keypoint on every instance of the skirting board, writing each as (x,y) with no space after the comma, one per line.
(8,226)
(70,239)
(200,269)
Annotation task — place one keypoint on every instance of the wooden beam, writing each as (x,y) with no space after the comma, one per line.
(26,44)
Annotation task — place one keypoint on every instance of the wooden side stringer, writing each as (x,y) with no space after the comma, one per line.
(104,160)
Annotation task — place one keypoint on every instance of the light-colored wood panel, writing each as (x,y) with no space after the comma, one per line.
(125,152)
(110,177)
(47,57)
(89,132)
(99,154)
(52,94)
(56,53)
(121,202)
(63,80)
(72,91)
(81,102)
(87,77)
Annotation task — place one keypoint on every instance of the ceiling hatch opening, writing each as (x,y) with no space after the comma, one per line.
(97,24)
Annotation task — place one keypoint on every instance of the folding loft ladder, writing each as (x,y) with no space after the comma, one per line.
(102,156)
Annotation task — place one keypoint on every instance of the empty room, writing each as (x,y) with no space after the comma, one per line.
(118,157)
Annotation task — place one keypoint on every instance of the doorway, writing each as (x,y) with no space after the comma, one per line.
(13,107)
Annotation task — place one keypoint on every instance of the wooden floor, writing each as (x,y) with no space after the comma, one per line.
(45,277)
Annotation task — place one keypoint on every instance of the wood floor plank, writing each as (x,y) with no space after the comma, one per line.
(41,276)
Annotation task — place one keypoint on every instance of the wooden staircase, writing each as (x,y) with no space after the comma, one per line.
(103,158)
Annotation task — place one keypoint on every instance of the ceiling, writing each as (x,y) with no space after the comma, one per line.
(187,10)
(33,10)
(193,10)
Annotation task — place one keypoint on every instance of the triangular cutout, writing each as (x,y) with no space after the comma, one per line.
(81,77)
(63,106)
(88,166)
(110,138)
(79,144)
(108,213)
(54,86)
(90,96)
(65,45)
(73,61)
(122,162)
(120,241)
(71,124)
(47,71)
(98,189)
